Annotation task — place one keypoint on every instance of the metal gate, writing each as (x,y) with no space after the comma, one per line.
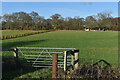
(42,57)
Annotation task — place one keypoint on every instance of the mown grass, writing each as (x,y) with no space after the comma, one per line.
(99,45)
(14,32)
(8,34)
(93,46)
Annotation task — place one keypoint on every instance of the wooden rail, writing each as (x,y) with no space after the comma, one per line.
(6,49)
(15,51)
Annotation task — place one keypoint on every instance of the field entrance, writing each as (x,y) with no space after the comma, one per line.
(42,57)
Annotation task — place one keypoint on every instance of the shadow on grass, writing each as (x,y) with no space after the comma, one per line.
(11,67)
(105,62)
(21,43)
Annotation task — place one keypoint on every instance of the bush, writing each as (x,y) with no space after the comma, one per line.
(25,34)
(96,72)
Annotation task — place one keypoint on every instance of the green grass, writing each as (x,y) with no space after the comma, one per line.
(93,45)
(41,73)
(14,32)
(32,73)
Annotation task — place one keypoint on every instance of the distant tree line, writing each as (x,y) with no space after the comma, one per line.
(33,21)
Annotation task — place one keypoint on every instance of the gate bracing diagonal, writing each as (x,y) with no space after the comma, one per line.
(42,57)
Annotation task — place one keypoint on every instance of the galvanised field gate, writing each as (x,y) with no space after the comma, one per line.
(42,57)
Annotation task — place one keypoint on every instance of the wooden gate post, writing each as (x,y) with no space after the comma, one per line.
(54,65)
(16,53)
(65,61)
(76,59)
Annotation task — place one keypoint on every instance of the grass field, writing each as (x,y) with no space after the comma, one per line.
(93,45)
(14,32)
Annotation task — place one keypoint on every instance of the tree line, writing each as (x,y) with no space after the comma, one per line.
(33,21)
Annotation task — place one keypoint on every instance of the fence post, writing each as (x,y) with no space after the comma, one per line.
(72,60)
(54,65)
(65,60)
(16,53)
(76,58)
